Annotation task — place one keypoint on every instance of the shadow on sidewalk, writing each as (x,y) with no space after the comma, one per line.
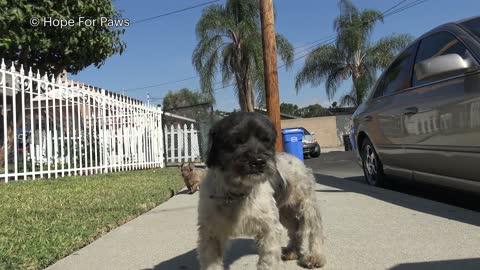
(188,261)
(463,264)
(357,185)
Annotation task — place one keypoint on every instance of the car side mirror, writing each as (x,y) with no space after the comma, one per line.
(440,66)
(312,133)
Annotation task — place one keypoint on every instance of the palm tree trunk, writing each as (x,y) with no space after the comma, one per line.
(250,96)
(242,98)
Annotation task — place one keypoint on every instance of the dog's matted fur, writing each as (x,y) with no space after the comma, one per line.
(251,190)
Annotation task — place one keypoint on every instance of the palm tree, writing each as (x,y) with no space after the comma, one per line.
(230,42)
(359,89)
(352,56)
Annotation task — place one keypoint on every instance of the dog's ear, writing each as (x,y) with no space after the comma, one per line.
(212,152)
(181,165)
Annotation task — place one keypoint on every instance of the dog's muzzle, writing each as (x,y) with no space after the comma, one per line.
(257,165)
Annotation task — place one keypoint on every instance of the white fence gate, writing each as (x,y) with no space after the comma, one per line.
(52,129)
(181,144)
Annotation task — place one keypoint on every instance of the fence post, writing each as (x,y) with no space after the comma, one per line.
(14,115)
(104,131)
(32,126)
(4,107)
(62,142)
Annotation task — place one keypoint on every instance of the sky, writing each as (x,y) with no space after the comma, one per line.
(160,50)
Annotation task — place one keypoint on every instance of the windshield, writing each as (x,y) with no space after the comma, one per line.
(473,25)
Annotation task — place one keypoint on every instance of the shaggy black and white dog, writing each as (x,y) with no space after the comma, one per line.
(251,190)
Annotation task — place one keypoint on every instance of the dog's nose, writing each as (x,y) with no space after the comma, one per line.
(258,163)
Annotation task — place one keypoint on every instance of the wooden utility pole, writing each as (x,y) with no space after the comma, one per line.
(270,68)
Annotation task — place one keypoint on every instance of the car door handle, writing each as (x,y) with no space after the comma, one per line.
(410,111)
(368,118)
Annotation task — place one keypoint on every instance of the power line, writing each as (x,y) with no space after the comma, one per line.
(324,41)
(415,3)
(175,11)
(410,5)
(195,77)
(398,4)
(313,42)
(334,39)
(160,84)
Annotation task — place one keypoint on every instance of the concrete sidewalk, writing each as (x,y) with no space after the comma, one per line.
(366,228)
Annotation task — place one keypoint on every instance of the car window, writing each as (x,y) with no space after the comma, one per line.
(441,43)
(473,25)
(398,76)
(305,132)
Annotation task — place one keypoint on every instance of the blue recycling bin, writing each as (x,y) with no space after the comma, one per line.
(292,141)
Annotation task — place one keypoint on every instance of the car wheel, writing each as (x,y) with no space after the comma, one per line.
(372,165)
(316,151)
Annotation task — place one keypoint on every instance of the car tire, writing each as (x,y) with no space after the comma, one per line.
(372,165)
(316,152)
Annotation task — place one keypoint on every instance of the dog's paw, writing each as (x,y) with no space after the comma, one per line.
(311,261)
(289,254)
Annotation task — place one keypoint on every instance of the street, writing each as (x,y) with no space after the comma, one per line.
(342,164)
(365,228)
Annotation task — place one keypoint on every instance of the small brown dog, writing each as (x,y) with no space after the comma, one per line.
(192,176)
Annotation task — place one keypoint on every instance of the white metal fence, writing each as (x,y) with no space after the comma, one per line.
(52,129)
(181,143)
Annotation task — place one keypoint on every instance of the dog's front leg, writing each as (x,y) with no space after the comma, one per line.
(268,246)
(210,249)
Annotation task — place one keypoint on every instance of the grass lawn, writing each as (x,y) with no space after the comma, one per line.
(42,221)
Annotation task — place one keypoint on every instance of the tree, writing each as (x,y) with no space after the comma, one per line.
(186,103)
(55,49)
(352,56)
(357,93)
(315,110)
(289,108)
(230,42)
(183,97)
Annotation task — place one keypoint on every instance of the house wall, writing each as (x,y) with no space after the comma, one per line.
(325,128)
(328,129)
(344,125)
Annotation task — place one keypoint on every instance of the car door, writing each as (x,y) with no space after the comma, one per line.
(442,125)
(384,116)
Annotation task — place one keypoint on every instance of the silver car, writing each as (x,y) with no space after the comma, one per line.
(422,118)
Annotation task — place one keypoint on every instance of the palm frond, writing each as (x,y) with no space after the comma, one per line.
(285,50)
(204,49)
(227,63)
(214,21)
(243,10)
(354,27)
(207,73)
(320,63)
(348,100)
(383,51)
(333,80)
